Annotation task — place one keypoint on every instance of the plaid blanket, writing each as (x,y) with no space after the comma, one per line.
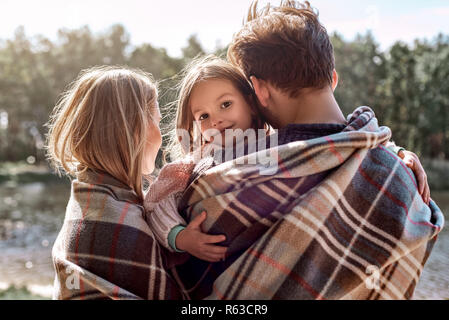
(363,232)
(105,249)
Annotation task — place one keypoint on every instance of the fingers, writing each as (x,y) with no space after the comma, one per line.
(211,257)
(427,195)
(214,253)
(205,249)
(409,162)
(412,161)
(196,223)
(422,182)
(213,239)
(215,249)
(422,177)
(211,253)
(426,191)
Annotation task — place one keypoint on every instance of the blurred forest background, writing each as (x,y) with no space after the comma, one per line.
(406,85)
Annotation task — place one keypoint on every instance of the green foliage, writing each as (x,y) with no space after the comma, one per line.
(35,71)
(193,48)
(406,85)
(361,69)
(13,293)
(155,61)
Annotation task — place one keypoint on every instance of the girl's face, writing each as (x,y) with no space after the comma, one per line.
(217,104)
(154,143)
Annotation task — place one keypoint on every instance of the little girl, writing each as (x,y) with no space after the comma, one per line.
(214,96)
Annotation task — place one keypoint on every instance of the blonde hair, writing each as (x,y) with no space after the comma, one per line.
(203,69)
(101,122)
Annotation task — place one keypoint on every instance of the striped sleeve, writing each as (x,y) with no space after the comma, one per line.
(164,218)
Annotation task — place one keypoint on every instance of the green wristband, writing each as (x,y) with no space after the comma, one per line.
(172,236)
(397,149)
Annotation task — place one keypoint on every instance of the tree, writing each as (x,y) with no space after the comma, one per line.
(361,69)
(432,74)
(155,61)
(193,48)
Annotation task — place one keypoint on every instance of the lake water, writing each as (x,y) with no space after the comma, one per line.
(32,214)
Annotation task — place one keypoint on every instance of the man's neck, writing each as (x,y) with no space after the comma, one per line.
(311,107)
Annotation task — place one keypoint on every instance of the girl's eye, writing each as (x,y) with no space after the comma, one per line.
(203,117)
(226,104)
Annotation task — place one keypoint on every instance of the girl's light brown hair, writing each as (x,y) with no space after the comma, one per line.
(101,123)
(203,69)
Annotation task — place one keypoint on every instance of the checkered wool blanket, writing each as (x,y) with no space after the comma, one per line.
(363,232)
(105,249)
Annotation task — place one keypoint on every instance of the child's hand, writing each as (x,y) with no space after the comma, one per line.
(412,161)
(199,244)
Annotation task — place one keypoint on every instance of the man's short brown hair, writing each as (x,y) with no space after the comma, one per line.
(286,46)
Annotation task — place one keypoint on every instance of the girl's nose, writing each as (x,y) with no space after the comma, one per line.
(216,122)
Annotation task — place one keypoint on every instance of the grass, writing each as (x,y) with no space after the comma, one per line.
(22,172)
(21,293)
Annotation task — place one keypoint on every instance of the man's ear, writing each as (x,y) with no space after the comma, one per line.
(334,80)
(261,90)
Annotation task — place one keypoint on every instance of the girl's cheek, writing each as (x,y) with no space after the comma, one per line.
(203,126)
(205,135)
(200,126)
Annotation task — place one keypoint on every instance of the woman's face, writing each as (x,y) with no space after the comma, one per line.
(153,144)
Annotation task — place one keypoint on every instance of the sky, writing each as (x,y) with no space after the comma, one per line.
(168,23)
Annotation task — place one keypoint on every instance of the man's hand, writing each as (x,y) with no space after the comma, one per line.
(412,161)
(199,244)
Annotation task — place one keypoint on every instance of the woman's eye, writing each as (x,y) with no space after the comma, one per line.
(203,117)
(226,104)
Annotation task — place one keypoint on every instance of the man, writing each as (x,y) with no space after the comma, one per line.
(342,217)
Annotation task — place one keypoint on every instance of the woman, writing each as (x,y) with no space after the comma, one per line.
(105,132)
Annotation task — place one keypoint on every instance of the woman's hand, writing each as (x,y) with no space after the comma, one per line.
(199,244)
(412,161)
